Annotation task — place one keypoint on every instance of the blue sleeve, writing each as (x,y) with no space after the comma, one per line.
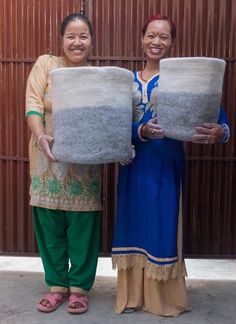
(135,134)
(224,122)
(223,119)
(135,137)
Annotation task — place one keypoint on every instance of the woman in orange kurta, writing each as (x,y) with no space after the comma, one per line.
(66,198)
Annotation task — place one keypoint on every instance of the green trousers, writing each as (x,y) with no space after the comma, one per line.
(68,244)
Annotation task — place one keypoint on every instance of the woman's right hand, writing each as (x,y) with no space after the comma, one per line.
(45,143)
(152,130)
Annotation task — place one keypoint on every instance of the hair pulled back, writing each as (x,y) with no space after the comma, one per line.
(74,17)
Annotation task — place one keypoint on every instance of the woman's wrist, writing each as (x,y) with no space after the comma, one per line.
(226,133)
(141,133)
(142,130)
(39,137)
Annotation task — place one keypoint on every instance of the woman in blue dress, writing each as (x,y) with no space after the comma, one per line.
(147,245)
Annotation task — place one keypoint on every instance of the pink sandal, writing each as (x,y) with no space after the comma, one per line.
(83,304)
(54,299)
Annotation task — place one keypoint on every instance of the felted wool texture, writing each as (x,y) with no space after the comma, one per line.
(92,114)
(189,94)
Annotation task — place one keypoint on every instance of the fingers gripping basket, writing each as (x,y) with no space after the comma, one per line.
(92,114)
(189,94)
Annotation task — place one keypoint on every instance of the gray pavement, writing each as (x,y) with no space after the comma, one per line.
(211,289)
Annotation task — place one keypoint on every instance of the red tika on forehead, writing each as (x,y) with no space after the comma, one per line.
(160,17)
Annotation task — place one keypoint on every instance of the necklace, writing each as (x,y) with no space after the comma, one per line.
(141,76)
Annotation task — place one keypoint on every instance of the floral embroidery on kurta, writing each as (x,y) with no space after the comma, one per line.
(56,185)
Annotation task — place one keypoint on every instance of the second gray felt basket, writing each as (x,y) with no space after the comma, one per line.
(92,114)
(189,94)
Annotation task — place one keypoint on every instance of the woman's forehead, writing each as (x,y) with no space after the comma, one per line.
(160,26)
(76,25)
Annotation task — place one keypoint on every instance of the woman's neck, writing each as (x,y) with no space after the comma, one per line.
(68,63)
(151,67)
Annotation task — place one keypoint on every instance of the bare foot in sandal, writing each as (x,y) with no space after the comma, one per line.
(51,301)
(78,303)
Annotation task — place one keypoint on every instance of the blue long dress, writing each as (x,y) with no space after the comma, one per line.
(149,192)
(149,189)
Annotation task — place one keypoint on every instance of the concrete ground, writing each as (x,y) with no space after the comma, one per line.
(211,289)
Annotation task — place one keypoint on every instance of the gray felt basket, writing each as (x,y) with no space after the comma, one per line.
(92,114)
(189,94)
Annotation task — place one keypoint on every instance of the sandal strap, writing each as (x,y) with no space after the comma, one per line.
(83,300)
(53,298)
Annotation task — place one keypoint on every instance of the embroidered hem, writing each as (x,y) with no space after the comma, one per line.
(155,271)
(66,205)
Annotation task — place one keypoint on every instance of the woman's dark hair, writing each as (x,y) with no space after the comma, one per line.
(73,17)
(160,17)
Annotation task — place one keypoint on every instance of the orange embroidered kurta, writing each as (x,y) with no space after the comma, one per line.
(56,185)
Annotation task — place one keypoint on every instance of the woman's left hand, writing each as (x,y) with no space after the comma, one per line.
(208,133)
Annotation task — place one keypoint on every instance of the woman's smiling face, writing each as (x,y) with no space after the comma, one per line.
(77,43)
(157,41)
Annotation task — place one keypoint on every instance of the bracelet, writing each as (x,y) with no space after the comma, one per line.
(141,131)
(226,133)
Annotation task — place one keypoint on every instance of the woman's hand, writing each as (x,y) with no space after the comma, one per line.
(152,130)
(45,143)
(208,133)
(126,162)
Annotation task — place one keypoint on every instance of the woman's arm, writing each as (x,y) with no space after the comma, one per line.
(35,91)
